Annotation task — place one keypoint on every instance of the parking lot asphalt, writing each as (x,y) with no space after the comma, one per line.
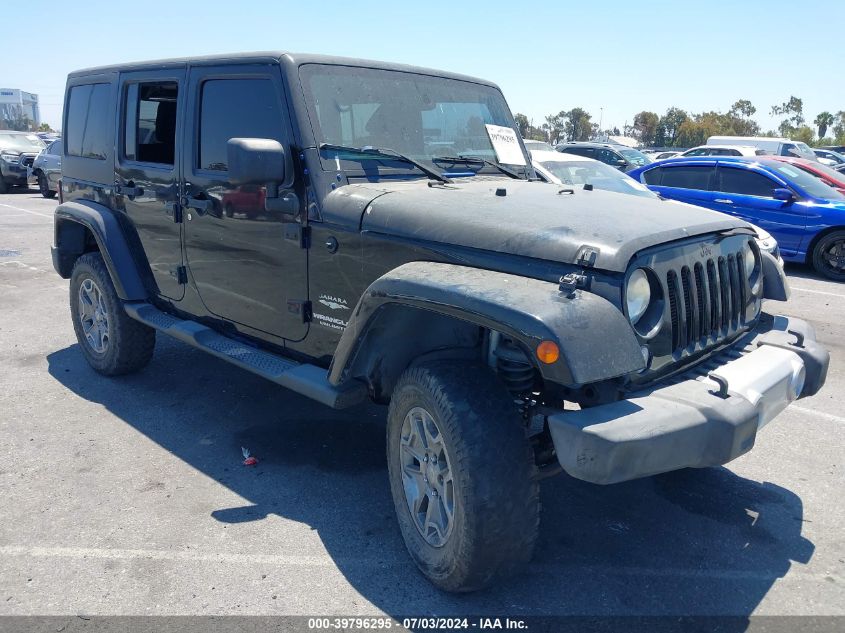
(128,496)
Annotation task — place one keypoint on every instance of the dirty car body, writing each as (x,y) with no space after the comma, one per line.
(394,241)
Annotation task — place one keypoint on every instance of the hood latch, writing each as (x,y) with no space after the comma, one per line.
(571,282)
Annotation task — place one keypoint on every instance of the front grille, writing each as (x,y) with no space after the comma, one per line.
(706,302)
(27,160)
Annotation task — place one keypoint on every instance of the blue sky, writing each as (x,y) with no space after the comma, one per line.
(546,56)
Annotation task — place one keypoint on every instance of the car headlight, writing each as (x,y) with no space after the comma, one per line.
(637,295)
(752,269)
(9,157)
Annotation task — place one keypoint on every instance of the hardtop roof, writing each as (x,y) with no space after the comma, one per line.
(272,57)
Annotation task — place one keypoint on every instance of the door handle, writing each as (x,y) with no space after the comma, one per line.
(723,201)
(202,206)
(129,190)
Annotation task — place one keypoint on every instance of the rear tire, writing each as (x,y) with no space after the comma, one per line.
(44,186)
(469,421)
(112,342)
(829,256)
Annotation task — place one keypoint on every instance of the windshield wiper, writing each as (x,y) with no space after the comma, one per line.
(388,153)
(469,158)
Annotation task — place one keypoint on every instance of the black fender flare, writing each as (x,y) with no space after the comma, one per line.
(104,225)
(595,339)
(775,286)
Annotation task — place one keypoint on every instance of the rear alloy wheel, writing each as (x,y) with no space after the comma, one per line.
(44,186)
(462,475)
(113,343)
(829,256)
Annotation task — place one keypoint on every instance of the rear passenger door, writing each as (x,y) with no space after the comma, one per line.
(748,195)
(684,182)
(239,255)
(146,172)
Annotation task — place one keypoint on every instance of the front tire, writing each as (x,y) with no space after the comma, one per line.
(829,256)
(462,475)
(44,186)
(112,342)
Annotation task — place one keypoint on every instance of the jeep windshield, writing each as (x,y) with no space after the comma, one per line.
(422,117)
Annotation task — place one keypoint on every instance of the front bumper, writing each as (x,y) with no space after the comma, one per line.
(706,417)
(13,174)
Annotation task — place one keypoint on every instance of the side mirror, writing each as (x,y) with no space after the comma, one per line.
(783,194)
(255,161)
(622,162)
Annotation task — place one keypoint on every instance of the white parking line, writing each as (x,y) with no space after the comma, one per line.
(795,572)
(43,215)
(820,414)
(818,292)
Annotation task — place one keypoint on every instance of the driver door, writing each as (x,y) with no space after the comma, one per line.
(243,267)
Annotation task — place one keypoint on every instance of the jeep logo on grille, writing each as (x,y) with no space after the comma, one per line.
(706,251)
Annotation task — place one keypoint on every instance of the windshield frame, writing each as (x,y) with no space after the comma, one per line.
(381,167)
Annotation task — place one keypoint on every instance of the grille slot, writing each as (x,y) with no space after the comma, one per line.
(688,311)
(703,325)
(706,302)
(672,286)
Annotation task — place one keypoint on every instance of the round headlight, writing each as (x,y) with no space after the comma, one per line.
(637,294)
(750,263)
(752,272)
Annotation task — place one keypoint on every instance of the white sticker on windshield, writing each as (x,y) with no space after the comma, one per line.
(506,145)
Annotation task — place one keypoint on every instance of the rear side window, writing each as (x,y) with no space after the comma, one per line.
(687,177)
(236,108)
(652,176)
(149,133)
(87,120)
(581,151)
(747,183)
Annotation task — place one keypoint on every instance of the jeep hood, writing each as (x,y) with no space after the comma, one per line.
(532,219)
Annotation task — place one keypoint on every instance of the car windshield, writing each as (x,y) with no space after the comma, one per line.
(635,157)
(600,175)
(826,171)
(809,183)
(21,142)
(420,116)
(805,149)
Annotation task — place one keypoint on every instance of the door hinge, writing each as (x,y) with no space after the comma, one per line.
(295,232)
(182,275)
(301,308)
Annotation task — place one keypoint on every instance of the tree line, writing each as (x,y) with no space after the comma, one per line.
(679,128)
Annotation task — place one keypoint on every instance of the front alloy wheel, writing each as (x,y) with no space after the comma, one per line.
(427,477)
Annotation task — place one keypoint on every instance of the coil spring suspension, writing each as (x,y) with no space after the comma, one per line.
(514,369)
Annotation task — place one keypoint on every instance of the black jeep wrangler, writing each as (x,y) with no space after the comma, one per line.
(353,230)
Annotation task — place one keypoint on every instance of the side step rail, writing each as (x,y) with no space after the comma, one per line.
(305,379)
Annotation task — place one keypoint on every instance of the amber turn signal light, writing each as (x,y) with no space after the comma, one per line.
(548,352)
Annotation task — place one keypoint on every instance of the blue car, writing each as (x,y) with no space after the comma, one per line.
(805,216)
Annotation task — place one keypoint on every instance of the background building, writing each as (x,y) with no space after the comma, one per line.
(17,108)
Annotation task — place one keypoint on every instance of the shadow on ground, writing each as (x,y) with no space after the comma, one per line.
(701,542)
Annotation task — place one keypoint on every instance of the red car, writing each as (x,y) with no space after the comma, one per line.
(828,176)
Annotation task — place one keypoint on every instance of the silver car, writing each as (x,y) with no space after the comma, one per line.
(47,169)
